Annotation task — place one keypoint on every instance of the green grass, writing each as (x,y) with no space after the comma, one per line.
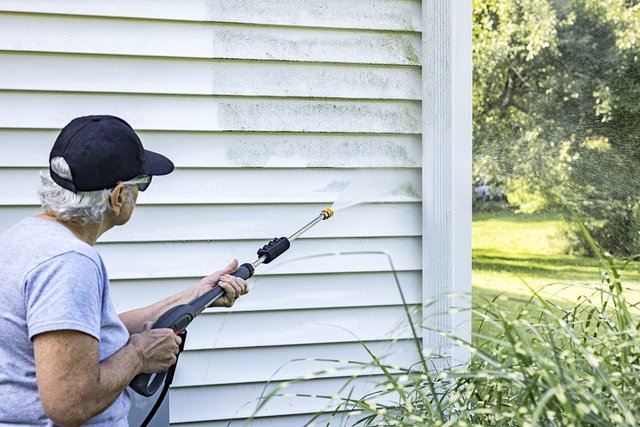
(514,252)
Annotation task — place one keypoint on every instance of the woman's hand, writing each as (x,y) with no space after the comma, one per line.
(232,286)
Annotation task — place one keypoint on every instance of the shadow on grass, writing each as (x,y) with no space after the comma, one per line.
(554,268)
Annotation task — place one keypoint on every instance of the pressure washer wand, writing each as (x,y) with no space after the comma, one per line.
(266,254)
(179,317)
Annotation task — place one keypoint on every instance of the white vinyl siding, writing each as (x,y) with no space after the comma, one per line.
(267,109)
(401,15)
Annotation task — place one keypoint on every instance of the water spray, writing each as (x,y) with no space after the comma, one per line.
(179,317)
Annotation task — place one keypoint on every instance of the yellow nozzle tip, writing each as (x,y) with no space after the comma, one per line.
(327,213)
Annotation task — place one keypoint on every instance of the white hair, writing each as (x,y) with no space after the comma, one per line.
(85,207)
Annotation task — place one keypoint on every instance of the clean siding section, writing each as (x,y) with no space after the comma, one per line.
(268,109)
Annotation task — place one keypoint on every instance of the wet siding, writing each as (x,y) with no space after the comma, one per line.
(266,108)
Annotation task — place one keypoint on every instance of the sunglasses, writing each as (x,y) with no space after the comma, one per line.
(141,181)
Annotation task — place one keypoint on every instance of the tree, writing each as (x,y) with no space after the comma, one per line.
(557,109)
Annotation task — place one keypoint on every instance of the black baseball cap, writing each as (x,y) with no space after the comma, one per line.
(101,152)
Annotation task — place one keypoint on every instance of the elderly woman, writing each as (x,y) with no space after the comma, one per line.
(66,356)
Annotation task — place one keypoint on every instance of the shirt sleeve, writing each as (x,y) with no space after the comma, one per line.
(64,292)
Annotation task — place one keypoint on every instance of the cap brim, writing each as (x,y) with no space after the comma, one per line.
(156,164)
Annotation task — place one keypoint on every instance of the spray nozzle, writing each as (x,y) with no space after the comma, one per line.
(327,213)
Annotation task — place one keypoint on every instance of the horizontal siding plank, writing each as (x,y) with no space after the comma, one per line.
(286,292)
(278,328)
(149,223)
(177,259)
(237,222)
(240,401)
(9,215)
(31,147)
(368,14)
(89,73)
(68,34)
(210,367)
(19,186)
(204,113)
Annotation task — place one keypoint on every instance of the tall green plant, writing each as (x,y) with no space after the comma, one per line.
(541,362)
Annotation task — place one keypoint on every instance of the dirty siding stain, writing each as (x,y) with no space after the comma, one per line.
(320,150)
(321,116)
(304,44)
(410,51)
(410,190)
(406,45)
(374,14)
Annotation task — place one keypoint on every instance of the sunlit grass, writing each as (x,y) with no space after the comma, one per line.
(515,233)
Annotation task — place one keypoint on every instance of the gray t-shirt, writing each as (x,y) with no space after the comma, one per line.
(50,280)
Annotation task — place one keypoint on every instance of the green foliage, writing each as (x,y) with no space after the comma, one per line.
(557,108)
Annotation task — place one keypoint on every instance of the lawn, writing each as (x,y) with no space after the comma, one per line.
(512,252)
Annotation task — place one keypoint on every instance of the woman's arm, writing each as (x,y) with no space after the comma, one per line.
(75,386)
